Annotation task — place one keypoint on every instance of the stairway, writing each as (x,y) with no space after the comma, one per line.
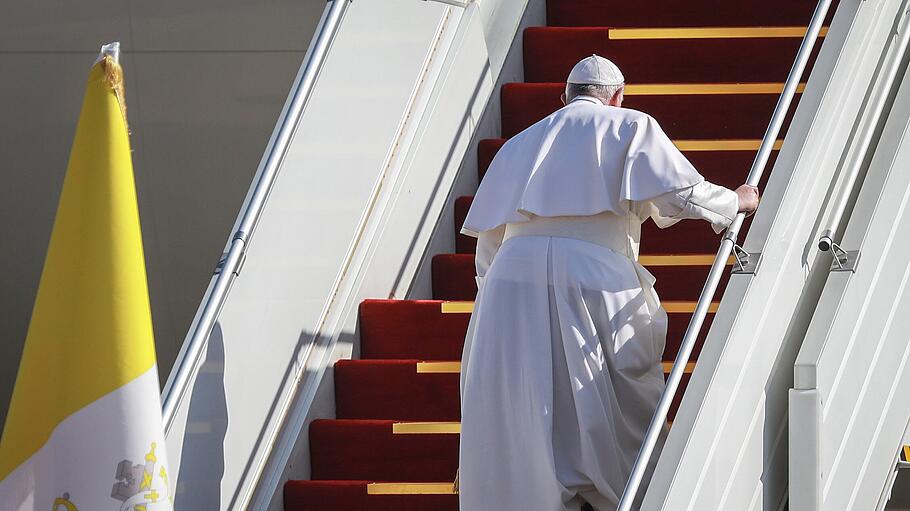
(394,443)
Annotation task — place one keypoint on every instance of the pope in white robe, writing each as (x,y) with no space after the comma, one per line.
(561,370)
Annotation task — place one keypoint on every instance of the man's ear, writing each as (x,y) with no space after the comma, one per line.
(562,97)
(616,100)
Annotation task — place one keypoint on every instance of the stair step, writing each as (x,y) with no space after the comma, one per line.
(453,276)
(550,53)
(464,244)
(396,390)
(486,150)
(410,329)
(686,237)
(682,116)
(676,13)
(393,389)
(368,496)
(418,330)
(376,450)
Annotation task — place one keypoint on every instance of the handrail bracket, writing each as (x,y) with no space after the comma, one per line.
(844,260)
(746,263)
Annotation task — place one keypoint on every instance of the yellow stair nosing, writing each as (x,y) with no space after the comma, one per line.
(690,367)
(457,307)
(410,488)
(680,260)
(685,306)
(671,306)
(710,33)
(426,428)
(661,89)
(438,367)
(455,368)
(741,144)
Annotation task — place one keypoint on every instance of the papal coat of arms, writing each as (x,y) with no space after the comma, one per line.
(139,485)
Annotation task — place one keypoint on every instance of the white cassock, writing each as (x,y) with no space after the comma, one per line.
(561,370)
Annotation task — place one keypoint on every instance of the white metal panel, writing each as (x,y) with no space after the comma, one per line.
(728,445)
(310,222)
(444,117)
(805,474)
(857,346)
(498,18)
(357,200)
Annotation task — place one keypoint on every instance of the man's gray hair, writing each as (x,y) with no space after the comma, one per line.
(602,92)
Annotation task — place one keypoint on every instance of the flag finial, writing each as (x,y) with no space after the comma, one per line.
(109,57)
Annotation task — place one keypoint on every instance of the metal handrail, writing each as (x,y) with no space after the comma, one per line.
(229,266)
(727,246)
(826,240)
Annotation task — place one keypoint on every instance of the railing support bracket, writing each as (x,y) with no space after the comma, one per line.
(746,262)
(844,260)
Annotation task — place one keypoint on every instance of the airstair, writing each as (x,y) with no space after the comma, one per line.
(332,344)
(394,441)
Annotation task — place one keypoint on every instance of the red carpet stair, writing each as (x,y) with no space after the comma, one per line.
(394,443)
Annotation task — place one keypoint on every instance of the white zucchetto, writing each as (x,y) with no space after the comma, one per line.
(596,70)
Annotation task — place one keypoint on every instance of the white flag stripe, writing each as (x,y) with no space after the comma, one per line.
(80,460)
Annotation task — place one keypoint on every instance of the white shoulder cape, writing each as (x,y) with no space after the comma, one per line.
(584,159)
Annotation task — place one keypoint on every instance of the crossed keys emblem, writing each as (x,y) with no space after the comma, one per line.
(136,486)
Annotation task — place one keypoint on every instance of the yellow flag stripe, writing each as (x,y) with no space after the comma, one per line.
(91,328)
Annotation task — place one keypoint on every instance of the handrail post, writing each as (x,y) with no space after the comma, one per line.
(249,217)
(720,262)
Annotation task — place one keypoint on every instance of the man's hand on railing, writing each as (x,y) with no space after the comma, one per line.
(748,199)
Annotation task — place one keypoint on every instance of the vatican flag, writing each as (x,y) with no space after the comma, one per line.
(84,427)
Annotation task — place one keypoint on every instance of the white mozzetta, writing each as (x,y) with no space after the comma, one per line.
(584,159)
(728,445)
